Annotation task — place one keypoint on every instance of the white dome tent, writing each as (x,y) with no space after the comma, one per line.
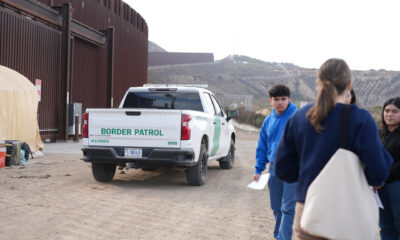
(18,109)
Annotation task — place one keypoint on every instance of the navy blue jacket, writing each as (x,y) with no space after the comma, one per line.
(270,134)
(302,152)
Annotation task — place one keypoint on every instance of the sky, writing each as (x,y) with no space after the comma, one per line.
(365,33)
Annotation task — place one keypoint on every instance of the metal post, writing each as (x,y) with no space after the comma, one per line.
(66,59)
(110,65)
(76,138)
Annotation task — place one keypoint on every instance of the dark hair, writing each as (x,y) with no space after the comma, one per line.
(279,90)
(333,78)
(353,96)
(395,101)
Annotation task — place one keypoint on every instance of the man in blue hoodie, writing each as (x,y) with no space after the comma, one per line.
(282,194)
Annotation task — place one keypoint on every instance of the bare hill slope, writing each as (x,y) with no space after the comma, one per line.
(241,75)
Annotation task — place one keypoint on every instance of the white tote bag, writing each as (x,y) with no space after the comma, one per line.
(339,203)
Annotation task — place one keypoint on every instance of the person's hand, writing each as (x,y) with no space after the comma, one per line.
(256,177)
(378,187)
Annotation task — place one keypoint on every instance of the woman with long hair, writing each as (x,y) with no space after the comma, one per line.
(311,137)
(389,217)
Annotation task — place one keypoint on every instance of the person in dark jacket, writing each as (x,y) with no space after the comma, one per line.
(311,137)
(389,217)
(353,99)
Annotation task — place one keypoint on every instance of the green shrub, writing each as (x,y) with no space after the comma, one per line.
(249,117)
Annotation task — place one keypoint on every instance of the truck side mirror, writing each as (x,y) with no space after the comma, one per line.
(232,114)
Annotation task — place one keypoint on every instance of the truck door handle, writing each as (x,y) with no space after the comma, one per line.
(214,123)
(129,113)
(223,123)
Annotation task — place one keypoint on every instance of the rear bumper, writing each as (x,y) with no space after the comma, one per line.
(152,157)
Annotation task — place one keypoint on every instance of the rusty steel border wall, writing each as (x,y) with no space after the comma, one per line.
(84,51)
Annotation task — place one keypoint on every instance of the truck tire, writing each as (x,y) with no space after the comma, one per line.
(196,175)
(228,161)
(103,172)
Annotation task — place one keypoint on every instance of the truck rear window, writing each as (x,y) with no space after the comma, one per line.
(164,100)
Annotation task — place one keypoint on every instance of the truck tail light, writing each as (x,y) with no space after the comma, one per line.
(185,130)
(85,127)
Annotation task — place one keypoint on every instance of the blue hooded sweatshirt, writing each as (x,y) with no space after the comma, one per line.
(270,134)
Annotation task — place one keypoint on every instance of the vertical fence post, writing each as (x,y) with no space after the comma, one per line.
(76,138)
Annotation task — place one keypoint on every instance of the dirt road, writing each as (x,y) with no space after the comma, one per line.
(56,197)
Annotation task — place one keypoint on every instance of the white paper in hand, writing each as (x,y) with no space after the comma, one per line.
(262,182)
(376,197)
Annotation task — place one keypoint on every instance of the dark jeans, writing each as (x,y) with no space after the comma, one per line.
(389,218)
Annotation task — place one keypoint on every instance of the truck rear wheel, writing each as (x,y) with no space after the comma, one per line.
(196,175)
(103,172)
(227,162)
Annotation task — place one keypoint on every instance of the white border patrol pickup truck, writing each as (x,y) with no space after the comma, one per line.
(160,126)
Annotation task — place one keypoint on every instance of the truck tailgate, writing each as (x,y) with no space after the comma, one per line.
(135,127)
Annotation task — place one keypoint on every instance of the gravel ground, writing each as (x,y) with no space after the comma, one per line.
(56,197)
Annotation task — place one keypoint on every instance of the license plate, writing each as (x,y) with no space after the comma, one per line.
(133,152)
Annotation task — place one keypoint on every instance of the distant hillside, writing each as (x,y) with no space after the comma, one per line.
(241,75)
(155,48)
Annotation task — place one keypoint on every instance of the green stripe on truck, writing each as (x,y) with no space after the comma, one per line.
(217,134)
